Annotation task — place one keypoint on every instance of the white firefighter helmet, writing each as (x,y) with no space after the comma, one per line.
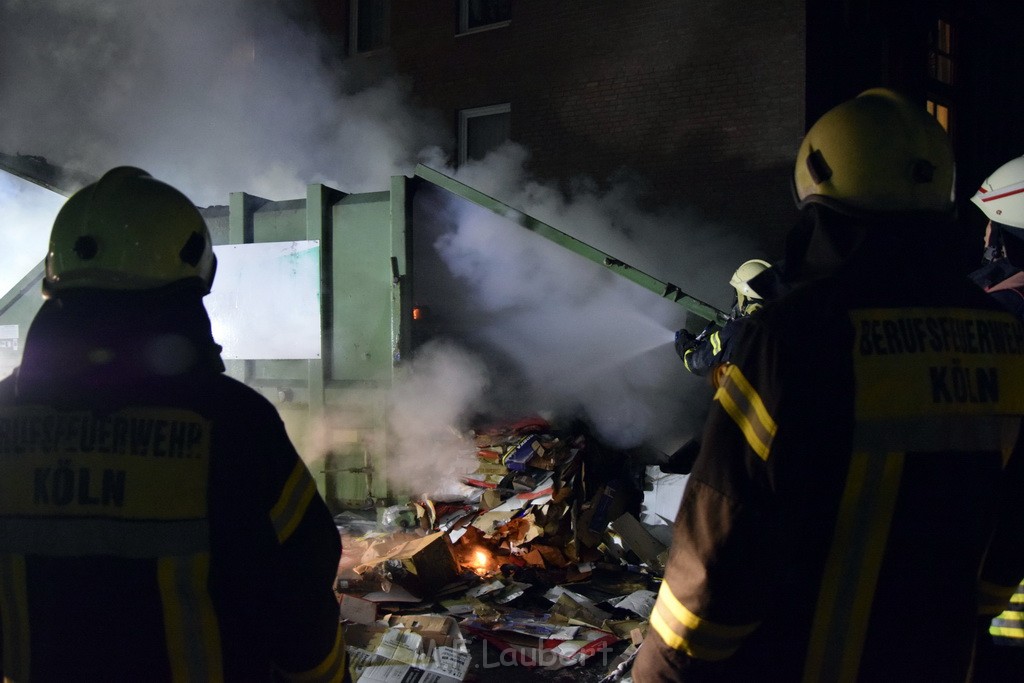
(740,281)
(1001,195)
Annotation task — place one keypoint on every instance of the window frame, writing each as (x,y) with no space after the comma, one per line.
(941,110)
(476,112)
(353,29)
(465,29)
(942,58)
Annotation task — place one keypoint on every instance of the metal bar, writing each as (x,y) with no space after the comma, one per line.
(39,171)
(666,290)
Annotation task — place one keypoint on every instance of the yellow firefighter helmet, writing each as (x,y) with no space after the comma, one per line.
(1001,195)
(740,281)
(128,231)
(876,153)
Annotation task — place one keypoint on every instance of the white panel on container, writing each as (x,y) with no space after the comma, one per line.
(26,216)
(9,337)
(265,302)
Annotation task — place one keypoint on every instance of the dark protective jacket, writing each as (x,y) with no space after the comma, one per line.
(997,276)
(156,523)
(837,519)
(705,354)
(993,277)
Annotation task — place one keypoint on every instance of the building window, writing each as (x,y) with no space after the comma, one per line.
(480,15)
(940,112)
(942,73)
(940,52)
(483,129)
(369,25)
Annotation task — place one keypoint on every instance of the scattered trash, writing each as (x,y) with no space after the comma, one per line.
(544,564)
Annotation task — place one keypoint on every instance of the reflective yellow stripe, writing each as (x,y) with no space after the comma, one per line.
(190,624)
(1010,622)
(681,629)
(291,506)
(330,670)
(851,571)
(686,359)
(716,343)
(744,405)
(667,635)
(1007,632)
(14,613)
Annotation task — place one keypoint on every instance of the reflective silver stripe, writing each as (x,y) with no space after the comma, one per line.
(62,537)
(14,613)
(192,634)
(939,434)
(291,506)
(1008,625)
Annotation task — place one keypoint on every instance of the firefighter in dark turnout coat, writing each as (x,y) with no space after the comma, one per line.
(854,484)
(702,354)
(1001,199)
(156,523)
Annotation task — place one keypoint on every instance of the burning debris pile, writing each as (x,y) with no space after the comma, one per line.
(542,564)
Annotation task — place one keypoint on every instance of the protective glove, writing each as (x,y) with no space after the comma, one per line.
(685,340)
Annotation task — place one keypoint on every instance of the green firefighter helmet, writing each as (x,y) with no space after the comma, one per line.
(746,297)
(877,153)
(128,231)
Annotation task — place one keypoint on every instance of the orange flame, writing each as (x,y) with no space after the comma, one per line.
(481,561)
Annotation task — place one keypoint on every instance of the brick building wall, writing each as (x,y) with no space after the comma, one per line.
(706,101)
(702,101)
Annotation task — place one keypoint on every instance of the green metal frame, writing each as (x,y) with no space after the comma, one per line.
(666,290)
(38,170)
(367,283)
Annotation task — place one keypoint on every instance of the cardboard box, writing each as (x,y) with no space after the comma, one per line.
(437,630)
(357,610)
(419,647)
(635,537)
(519,456)
(427,564)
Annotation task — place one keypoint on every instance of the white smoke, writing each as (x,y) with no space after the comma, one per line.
(211,97)
(219,97)
(26,213)
(433,399)
(574,338)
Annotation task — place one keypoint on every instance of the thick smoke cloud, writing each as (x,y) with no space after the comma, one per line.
(576,338)
(219,97)
(436,392)
(213,97)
